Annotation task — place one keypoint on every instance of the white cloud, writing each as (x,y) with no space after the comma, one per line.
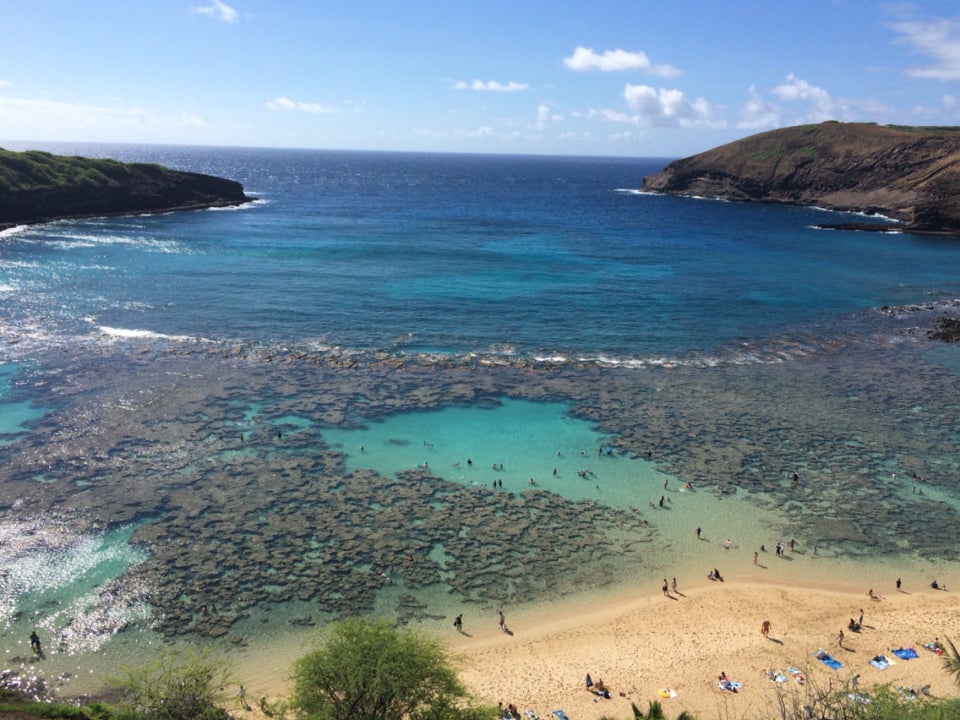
(283,103)
(494,86)
(191,120)
(939,39)
(545,115)
(665,107)
(218,10)
(822,105)
(25,117)
(5,83)
(481,132)
(584,59)
(757,113)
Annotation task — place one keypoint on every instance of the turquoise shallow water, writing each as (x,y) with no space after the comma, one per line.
(514,443)
(17,414)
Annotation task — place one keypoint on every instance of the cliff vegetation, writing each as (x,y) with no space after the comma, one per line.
(37,187)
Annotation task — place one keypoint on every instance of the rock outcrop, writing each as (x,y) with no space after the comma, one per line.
(911,174)
(38,187)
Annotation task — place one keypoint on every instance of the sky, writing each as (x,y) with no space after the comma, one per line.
(634,78)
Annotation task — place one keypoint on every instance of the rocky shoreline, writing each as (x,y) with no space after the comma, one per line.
(38,187)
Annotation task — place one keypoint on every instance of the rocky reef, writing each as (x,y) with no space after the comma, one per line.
(910,174)
(38,187)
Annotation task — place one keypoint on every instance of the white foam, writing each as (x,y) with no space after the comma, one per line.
(137,334)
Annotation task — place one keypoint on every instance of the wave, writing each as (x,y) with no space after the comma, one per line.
(873,327)
(135,334)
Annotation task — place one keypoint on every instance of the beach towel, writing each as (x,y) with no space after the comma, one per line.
(828,660)
(880,662)
(531,715)
(905,653)
(561,714)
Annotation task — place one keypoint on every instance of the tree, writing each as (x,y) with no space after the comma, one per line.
(951,660)
(656,712)
(367,670)
(176,686)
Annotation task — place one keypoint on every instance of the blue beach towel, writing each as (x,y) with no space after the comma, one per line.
(561,714)
(828,660)
(880,662)
(905,653)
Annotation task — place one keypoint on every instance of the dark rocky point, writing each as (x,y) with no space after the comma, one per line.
(39,187)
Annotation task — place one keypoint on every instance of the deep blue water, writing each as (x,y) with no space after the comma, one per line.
(456,254)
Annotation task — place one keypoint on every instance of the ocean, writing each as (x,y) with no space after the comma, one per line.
(417,385)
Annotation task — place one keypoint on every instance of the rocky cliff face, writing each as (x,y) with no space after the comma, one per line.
(911,174)
(38,187)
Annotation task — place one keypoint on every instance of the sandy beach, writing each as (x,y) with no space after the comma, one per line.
(640,645)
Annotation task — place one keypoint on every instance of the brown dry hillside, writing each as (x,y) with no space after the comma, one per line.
(908,173)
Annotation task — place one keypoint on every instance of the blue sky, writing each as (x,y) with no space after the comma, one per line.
(635,78)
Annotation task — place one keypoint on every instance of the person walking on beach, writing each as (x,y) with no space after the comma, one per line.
(458,623)
(673,584)
(698,533)
(666,588)
(840,638)
(754,557)
(503,621)
(765,628)
(898,584)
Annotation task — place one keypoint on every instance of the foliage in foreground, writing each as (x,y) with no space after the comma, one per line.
(367,670)
(951,660)
(175,686)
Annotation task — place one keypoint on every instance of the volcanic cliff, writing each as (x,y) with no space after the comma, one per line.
(911,174)
(37,187)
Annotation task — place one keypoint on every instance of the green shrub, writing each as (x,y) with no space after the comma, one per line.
(366,670)
(175,686)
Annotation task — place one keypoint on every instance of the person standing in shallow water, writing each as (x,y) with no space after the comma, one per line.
(35,643)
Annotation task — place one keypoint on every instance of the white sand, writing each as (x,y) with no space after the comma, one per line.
(642,644)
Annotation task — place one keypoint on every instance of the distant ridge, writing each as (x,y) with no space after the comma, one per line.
(911,174)
(38,187)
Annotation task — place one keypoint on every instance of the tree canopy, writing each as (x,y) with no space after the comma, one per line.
(367,670)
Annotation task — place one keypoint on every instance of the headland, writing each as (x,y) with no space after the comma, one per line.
(39,187)
(908,174)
